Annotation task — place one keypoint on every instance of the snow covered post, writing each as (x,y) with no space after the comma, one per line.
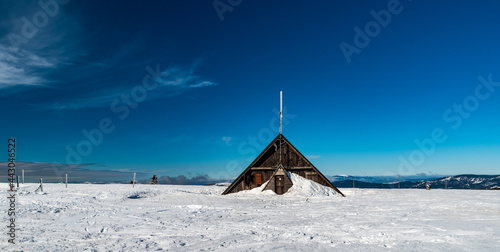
(40,187)
(18,182)
(66,180)
(133,181)
(23,175)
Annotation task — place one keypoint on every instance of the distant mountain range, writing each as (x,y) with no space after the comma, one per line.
(387,179)
(465,181)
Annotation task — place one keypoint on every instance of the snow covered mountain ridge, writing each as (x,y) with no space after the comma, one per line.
(464,181)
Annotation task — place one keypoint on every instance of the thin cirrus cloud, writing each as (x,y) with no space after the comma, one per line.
(177,77)
(29,63)
(23,68)
(171,82)
(76,77)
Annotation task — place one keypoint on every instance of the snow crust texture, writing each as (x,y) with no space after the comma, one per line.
(116,217)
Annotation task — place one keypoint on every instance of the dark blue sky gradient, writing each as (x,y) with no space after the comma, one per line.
(221,82)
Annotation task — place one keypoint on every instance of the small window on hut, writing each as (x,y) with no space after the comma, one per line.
(249,179)
(258,179)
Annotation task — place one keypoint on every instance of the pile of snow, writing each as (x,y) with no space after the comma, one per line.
(256,191)
(223,184)
(142,194)
(306,187)
(301,187)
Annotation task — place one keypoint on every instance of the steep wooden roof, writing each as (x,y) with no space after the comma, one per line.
(265,154)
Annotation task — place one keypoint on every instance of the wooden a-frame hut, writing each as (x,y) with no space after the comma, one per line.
(272,165)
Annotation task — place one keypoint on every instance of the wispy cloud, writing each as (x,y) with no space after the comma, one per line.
(171,82)
(23,68)
(313,156)
(90,100)
(29,63)
(81,76)
(182,79)
(227,140)
(203,84)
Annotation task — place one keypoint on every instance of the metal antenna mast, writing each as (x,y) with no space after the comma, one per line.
(281,108)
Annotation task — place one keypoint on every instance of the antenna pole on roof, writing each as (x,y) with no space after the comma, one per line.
(281,108)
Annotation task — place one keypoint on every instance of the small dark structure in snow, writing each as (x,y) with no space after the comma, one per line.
(154,180)
(267,167)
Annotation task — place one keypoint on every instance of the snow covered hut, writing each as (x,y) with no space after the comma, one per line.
(272,165)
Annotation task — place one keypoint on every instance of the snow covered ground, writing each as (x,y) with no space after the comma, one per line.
(117,217)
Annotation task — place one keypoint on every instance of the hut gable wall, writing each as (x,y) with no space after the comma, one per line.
(265,165)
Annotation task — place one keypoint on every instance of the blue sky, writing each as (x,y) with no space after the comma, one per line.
(418,72)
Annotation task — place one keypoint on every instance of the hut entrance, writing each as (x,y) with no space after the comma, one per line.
(280,184)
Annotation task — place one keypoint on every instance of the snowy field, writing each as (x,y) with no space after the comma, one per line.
(197,218)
